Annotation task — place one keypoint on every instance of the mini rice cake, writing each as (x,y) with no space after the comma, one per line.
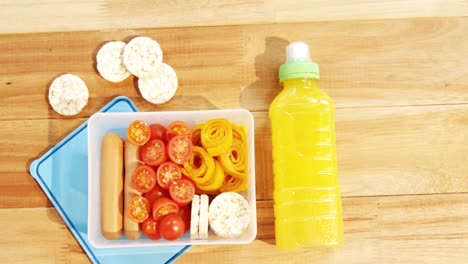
(68,94)
(204,214)
(161,87)
(109,62)
(195,217)
(142,56)
(229,215)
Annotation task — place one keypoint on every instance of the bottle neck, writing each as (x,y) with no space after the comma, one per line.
(306,83)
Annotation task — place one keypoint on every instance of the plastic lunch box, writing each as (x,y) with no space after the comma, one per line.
(101,123)
(62,173)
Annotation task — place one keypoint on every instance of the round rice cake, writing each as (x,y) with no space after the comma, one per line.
(195,217)
(229,215)
(142,56)
(68,94)
(161,87)
(109,62)
(204,214)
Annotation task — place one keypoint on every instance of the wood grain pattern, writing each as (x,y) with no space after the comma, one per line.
(397,71)
(425,229)
(378,63)
(37,235)
(26,16)
(418,150)
(377,230)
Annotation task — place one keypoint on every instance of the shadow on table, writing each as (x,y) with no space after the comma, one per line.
(258,96)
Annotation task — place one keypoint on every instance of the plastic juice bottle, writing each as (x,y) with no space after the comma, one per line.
(307,199)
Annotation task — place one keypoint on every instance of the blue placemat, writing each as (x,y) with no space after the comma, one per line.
(62,173)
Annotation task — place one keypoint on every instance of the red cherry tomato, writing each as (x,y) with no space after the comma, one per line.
(167,173)
(179,149)
(172,227)
(182,191)
(185,212)
(153,153)
(164,206)
(158,132)
(144,178)
(138,132)
(178,128)
(150,228)
(156,193)
(139,209)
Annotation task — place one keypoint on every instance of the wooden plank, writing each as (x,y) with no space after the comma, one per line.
(26,16)
(24,81)
(23,142)
(416,150)
(364,63)
(20,190)
(37,235)
(425,229)
(298,11)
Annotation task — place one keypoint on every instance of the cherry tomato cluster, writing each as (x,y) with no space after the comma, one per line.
(163,209)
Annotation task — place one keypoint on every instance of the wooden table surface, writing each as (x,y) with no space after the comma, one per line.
(397,70)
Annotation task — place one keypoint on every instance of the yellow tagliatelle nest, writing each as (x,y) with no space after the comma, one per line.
(196,135)
(216,181)
(234,161)
(239,133)
(219,159)
(233,184)
(216,136)
(200,167)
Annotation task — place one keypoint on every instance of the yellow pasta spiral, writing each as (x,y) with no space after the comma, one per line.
(200,167)
(216,181)
(238,131)
(234,161)
(216,136)
(233,184)
(196,135)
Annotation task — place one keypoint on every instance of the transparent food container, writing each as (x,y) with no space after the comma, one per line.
(100,124)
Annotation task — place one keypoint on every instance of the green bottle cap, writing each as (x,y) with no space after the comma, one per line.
(298,64)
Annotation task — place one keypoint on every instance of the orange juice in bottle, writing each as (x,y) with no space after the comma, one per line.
(307,199)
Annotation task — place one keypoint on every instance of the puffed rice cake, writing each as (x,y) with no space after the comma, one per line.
(109,62)
(142,56)
(68,94)
(161,87)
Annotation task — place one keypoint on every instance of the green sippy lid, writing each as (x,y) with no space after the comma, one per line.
(298,64)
